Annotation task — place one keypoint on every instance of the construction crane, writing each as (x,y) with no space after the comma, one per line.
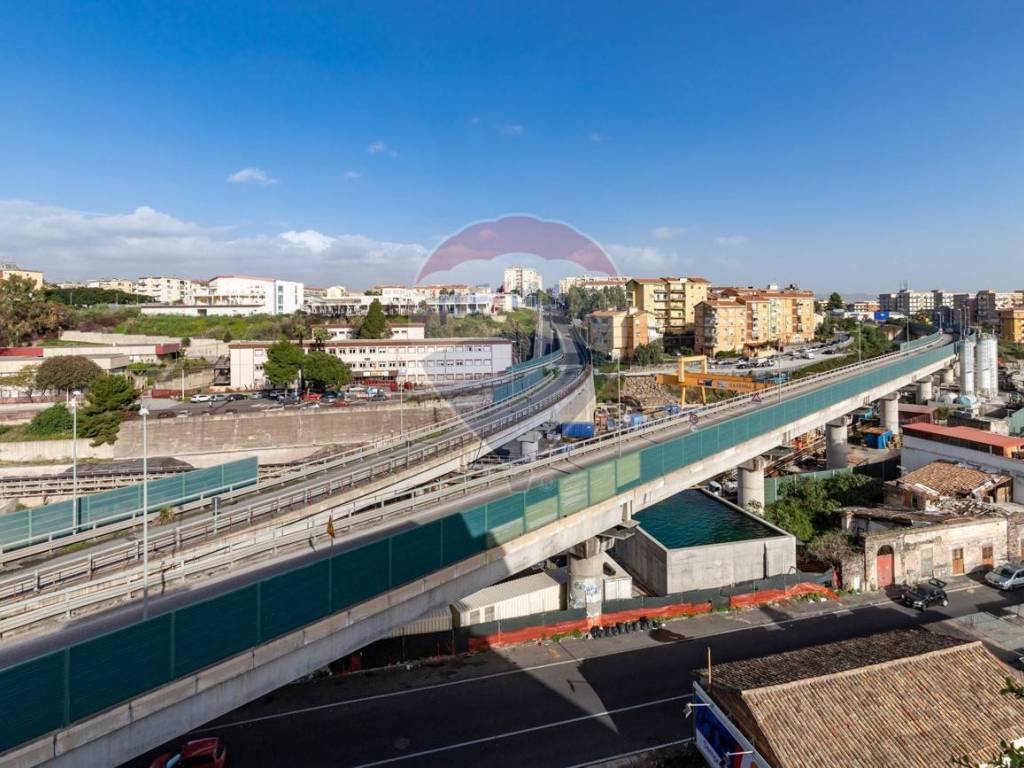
(705,380)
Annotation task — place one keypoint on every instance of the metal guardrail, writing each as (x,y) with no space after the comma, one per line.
(28,611)
(189,532)
(17,550)
(312,528)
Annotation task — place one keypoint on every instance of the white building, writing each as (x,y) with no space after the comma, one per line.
(425,361)
(463,304)
(275,297)
(591,282)
(113,284)
(167,290)
(344,331)
(523,280)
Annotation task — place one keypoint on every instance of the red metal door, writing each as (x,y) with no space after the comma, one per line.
(884,567)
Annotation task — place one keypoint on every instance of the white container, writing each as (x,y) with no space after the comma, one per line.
(967,367)
(437,620)
(536,593)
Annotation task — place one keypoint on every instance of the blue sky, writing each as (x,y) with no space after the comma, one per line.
(838,145)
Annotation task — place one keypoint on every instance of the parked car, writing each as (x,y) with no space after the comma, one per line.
(1008,576)
(925,594)
(235,396)
(806,355)
(209,753)
(743,366)
(218,398)
(200,398)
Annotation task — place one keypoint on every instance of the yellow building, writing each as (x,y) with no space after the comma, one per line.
(720,325)
(10,270)
(617,333)
(746,320)
(671,300)
(1011,324)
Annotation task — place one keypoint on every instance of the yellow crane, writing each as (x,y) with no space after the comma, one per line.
(705,380)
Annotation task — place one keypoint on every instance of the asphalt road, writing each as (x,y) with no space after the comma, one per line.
(31,645)
(551,706)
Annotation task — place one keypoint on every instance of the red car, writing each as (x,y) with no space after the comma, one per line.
(209,753)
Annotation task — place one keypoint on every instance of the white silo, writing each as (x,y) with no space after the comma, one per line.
(967,367)
(986,372)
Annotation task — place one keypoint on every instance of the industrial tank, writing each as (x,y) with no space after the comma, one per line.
(986,369)
(967,367)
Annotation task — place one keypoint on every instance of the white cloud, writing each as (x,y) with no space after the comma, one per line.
(667,233)
(74,245)
(310,239)
(377,147)
(730,241)
(511,129)
(252,175)
(474,120)
(353,175)
(597,138)
(646,260)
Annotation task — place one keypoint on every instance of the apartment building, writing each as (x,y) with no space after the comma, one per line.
(1011,324)
(943,299)
(8,271)
(748,319)
(591,282)
(911,302)
(422,361)
(989,303)
(864,307)
(167,290)
(887,302)
(122,284)
(522,280)
(617,333)
(720,325)
(670,300)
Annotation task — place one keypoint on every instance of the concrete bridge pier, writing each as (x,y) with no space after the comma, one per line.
(837,446)
(586,576)
(924,390)
(948,377)
(750,485)
(891,413)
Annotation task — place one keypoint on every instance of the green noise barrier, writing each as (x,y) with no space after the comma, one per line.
(30,526)
(54,690)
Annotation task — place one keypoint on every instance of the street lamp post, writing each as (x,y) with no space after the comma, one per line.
(144,413)
(74,455)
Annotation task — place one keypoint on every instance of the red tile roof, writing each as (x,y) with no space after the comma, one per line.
(965,433)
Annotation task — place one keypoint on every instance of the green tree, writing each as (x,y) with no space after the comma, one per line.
(648,354)
(325,371)
(67,373)
(835,301)
(284,361)
(108,399)
(321,336)
(25,314)
(25,379)
(831,547)
(55,421)
(374,326)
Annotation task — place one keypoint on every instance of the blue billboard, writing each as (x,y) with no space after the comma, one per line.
(881,316)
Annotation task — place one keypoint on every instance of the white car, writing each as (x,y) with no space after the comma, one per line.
(1009,576)
(200,398)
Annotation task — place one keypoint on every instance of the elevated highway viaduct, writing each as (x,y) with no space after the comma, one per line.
(103,690)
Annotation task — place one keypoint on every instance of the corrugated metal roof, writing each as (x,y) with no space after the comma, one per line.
(966,433)
(510,589)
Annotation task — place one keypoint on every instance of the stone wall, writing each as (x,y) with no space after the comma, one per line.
(911,547)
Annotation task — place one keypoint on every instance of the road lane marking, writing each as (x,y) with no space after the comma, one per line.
(634,753)
(388,695)
(522,731)
(506,673)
